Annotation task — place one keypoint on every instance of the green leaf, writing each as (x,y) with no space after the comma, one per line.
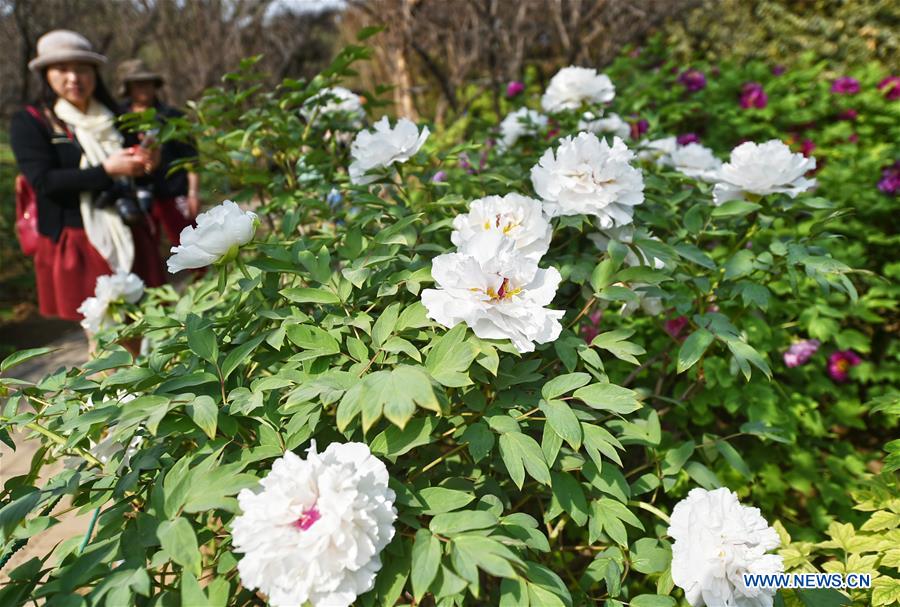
(439,500)
(450,357)
(563,421)
(202,342)
(308,337)
(480,439)
(744,353)
(648,556)
(203,411)
(240,354)
(695,255)
(518,450)
(453,523)
(609,397)
(735,208)
(702,475)
(178,540)
(13,513)
(487,554)
(676,458)
(740,264)
(395,441)
(615,343)
(310,295)
(17,358)
(192,594)
(734,458)
(602,273)
(653,600)
(563,384)
(385,324)
(426,559)
(825,597)
(693,348)
(568,492)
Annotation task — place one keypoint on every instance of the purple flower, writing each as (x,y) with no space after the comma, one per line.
(778,70)
(839,365)
(439,177)
(465,164)
(845,85)
(800,352)
(687,138)
(674,326)
(638,128)
(848,114)
(592,329)
(890,179)
(892,84)
(807,147)
(514,88)
(753,95)
(693,80)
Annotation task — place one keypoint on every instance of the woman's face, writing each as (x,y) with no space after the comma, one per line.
(73,81)
(142,92)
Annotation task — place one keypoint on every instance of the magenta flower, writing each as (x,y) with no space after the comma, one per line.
(514,88)
(674,326)
(692,80)
(687,138)
(591,329)
(849,114)
(807,147)
(800,352)
(890,179)
(638,128)
(753,96)
(853,138)
(839,365)
(845,85)
(778,70)
(439,177)
(892,84)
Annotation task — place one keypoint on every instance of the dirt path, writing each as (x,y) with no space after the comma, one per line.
(72,351)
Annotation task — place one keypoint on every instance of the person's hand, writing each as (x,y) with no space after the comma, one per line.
(125,163)
(193,205)
(151,157)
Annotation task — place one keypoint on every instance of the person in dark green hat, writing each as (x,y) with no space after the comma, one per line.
(176,200)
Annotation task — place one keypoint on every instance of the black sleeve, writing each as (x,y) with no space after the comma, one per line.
(37,160)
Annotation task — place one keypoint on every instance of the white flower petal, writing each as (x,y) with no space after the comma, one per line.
(572,86)
(217,231)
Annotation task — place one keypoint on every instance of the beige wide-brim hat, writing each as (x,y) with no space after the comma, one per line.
(60,46)
(135,70)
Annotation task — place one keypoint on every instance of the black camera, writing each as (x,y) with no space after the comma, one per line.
(130,202)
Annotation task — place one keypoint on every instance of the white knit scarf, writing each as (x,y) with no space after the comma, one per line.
(98,137)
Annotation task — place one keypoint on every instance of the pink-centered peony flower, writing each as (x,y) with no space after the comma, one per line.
(753,96)
(839,365)
(692,80)
(800,352)
(891,87)
(845,85)
(514,89)
(675,326)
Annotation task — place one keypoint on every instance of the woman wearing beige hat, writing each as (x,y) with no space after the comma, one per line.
(68,148)
(176,200)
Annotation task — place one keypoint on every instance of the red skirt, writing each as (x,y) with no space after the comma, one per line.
(67,270)
(166,214)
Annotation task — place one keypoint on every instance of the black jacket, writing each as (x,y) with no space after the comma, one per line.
(165,185)
(50,163)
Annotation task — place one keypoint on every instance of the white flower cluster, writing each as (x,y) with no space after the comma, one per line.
(334,100)
(313,531)
(612,125)
(219,233)
(374,152)
(494,284)
(112,288)
(587,176)
(519,123)
(694,160)
(572,86)
(761,169)
(717,540)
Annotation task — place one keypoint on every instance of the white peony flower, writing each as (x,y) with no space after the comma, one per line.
(694,160)
(334,100)
(717,540)
(494,219)
(588,176)
(495,302)
(111,288)
(314,529)
(612,124)
(384,146)
(761,169)
(219,233)
(572,86)
(516,124)
(657,149)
